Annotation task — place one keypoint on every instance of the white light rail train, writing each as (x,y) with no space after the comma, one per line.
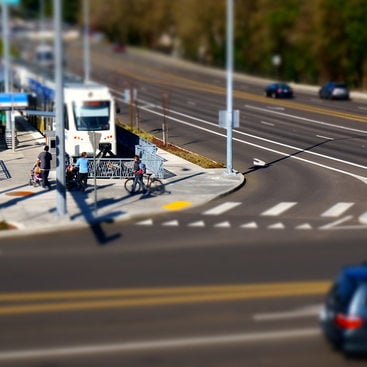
(89,111)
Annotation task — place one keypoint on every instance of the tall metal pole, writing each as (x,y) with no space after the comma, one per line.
(229,62)
(59,114)
(86,40)
(9,129)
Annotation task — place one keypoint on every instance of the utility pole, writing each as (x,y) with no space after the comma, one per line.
(59,113)
(86,41)
(229,62)
(9,129)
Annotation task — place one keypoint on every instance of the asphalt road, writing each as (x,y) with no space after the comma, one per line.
(238,281)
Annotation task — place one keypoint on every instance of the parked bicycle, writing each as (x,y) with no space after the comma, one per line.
(153,185)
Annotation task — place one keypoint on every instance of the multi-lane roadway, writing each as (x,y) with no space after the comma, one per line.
(238,281)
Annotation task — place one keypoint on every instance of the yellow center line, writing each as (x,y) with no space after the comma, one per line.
(174,80)
(138,297)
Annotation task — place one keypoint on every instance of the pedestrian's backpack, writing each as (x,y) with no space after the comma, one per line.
(142,169)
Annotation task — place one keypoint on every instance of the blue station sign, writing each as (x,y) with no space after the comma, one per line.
(10,2)
(17,101)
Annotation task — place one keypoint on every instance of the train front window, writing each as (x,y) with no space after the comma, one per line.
(92,115)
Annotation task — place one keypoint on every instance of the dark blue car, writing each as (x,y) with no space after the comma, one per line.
(344,316)
(333,90)
(278,90)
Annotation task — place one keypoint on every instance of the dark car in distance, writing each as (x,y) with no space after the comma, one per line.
(333,90)
(278,90)
(343,318)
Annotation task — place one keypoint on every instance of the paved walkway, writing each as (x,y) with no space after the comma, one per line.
(34,209)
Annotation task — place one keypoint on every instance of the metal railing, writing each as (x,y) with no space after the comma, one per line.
(123,167)
(147,152)
(111,167)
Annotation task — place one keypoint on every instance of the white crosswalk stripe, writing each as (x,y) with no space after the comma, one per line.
(171,223)
(199,223)
(249,225)
(225,224)
(147,222)
(222,208)
(304,226)
(337,210)
(279,209)
(276,226)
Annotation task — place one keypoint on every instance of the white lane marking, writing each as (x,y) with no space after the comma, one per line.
(275,108)
(306,119)
(276,226)
(304,226)
(225,224)
(220,209)
(267,123)
(147,222)
(210,131)
(278,209)
(303,312)
(171,223)
(324,137)
(199,223)
(249,225)
(337,222)
(138,346)
(337,210)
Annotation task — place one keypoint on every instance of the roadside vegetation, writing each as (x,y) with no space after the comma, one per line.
(192,157)
(302,41)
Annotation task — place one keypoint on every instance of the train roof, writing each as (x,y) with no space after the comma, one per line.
(46,78)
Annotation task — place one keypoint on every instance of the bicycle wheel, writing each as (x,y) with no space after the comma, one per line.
(129,185)
(156,187)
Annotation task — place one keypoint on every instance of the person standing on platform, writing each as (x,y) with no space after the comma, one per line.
(44,159)
(82,164)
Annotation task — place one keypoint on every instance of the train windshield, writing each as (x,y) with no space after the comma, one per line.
(92,115)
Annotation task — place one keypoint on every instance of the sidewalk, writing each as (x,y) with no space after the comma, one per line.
(34,209)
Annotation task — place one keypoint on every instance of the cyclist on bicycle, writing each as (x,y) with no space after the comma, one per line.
(138,174)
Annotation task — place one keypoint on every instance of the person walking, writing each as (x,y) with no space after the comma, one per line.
(82,164)
(138,174)
(44,159)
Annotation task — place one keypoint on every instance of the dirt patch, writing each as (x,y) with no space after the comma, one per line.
(6,226)
(20,193)
(186,154)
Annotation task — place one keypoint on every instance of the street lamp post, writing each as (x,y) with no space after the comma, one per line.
(59,114)
(86,45)
(9,129)
(229,60)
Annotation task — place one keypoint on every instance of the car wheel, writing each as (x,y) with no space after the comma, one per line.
(274,95)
